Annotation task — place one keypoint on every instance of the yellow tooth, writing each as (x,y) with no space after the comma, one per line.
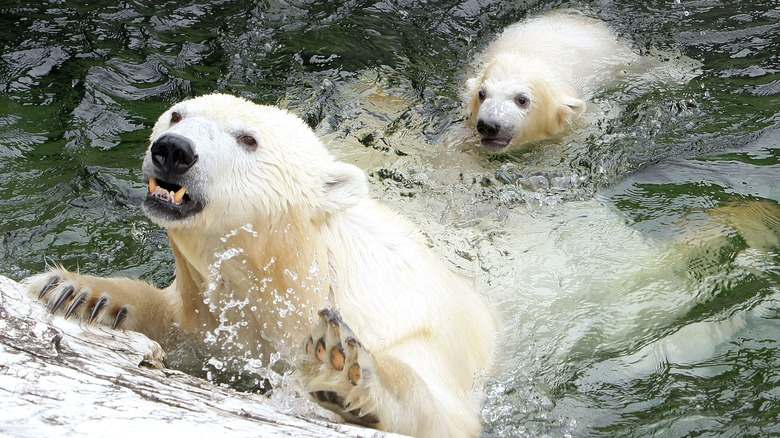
(179,195)
(152,185)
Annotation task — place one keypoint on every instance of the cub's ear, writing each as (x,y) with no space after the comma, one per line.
(345,186)
(471,86)
(569,109)
(471,97)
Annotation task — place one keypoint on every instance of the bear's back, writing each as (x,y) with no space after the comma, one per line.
(580,45)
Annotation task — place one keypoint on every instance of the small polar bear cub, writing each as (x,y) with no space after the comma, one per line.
(276,240)
(536,75)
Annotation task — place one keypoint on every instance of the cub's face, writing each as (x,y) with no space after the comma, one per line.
(503,107)
(221,162)
(515,101)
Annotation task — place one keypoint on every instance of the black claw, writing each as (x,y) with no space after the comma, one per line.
(330,315)
(369,419)
(53,281)
(356,416)
(352,342)
(120,316)
(329,397)
(98,307)
(80,299)
(337,399)
(64,296)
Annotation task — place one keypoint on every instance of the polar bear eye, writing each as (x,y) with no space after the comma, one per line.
(175,118)
(248,141)
(522,100)
(481,95)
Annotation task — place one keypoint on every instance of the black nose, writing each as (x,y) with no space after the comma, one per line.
(173,154)
(486,129)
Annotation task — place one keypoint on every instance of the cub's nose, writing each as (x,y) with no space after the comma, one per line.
(173,154)
(487,129)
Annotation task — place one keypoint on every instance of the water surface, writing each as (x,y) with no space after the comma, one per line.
(636,264)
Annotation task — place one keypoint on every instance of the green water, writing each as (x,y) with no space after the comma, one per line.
(636,266)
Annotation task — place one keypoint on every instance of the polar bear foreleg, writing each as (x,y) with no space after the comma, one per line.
(382,390)
(115,302)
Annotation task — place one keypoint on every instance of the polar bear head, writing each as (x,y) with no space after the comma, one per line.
(220,162)
(516,99)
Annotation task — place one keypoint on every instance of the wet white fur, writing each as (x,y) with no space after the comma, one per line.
(558,60)
(288,206)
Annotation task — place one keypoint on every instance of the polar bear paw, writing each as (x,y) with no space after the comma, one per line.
(65,293)
(338,372)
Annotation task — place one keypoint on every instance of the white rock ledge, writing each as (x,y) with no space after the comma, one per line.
(60,379)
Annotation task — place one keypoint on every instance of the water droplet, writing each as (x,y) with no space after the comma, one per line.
(292,274)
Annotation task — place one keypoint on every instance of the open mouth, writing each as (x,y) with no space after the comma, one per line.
(167,192)
(170,201)
(495,144)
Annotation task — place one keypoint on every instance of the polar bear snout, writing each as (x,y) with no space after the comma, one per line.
(488,128)
(174,192)
(496,126)
(173,155)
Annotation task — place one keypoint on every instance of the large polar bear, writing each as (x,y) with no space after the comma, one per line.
(536,75)
(278,242)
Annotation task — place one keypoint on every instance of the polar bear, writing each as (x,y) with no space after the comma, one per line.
(536,75)
(279,244)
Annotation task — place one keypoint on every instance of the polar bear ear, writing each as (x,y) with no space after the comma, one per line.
(472,100)
(471,86)
(345,186)
(570,108)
